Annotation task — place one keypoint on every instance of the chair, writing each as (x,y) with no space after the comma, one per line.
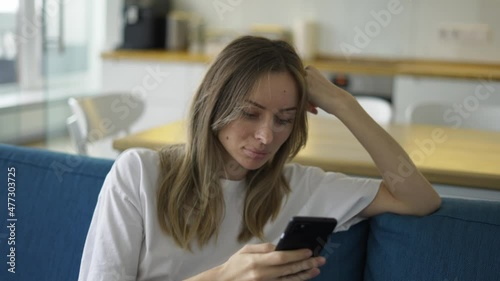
(100,117)
(379,109)
(483,117)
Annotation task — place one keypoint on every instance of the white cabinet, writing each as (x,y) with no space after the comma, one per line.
(166,87)
(465,93)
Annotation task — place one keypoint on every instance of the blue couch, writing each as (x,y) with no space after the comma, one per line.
(55,195)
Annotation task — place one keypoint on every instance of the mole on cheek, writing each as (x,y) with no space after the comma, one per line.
(227,138)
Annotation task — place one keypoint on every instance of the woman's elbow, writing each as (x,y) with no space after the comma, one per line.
(430,206)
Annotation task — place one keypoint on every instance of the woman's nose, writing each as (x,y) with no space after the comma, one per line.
(265,132)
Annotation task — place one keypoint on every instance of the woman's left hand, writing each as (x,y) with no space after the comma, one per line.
(326,95)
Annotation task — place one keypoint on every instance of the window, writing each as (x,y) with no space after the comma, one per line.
(8,49)
(47,45)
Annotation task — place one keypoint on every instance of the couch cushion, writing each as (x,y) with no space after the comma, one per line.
(55,196)
(345,254)
(458,242)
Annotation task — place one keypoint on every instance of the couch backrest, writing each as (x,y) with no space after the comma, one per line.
(461,241)
(55,196)
(345,254)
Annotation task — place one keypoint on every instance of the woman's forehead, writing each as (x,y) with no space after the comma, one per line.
(273,87)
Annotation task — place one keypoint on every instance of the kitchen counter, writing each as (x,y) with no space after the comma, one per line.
(369,66)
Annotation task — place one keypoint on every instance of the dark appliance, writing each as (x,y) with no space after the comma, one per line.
(145,24)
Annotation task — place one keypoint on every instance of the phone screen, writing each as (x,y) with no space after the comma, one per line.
(306,232)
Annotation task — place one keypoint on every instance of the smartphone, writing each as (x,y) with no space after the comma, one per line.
(306,233)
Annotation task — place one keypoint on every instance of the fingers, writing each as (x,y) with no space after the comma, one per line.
(268,256)
(312,108)
(310,67)
(276,258)
(317,89)
(300,270)
(258,248)
(286,257)
(313,74)
(306,275)
(262,262)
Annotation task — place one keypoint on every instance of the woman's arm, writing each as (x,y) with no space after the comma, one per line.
(404,190)
(115,235)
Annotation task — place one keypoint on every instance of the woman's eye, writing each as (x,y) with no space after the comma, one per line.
(279,121)
(283,121)
(249,114)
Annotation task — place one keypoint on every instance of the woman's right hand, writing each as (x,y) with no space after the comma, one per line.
(261,262)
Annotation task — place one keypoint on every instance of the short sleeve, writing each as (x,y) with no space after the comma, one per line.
(332,194)
(115,235)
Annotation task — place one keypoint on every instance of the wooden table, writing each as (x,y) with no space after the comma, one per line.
(444,155)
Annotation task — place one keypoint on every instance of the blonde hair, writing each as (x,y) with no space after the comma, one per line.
(190,199)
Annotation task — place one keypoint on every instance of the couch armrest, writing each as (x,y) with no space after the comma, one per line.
(458,242)
(55,197)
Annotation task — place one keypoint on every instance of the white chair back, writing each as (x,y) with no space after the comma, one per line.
(379,109)
(484,117)
(103,116)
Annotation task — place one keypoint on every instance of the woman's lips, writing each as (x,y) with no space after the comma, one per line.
(255,154)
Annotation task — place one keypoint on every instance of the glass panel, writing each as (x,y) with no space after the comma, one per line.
(66,63)
(47,51)
(8,49)
(9,116)
(66,38)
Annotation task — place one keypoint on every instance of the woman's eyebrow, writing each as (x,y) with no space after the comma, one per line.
(263,107)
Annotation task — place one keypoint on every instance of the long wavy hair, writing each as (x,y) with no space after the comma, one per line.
(190,201)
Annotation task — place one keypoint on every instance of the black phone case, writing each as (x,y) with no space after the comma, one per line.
(306,232)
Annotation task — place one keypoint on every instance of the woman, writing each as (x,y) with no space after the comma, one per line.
(211,209)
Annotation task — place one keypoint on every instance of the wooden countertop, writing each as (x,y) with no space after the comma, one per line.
(369,66)
(459,157)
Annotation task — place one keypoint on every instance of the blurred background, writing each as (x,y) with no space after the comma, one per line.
(403,52)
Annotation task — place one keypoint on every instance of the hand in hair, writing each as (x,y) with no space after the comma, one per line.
(311,107)
(261,262)
(326,95)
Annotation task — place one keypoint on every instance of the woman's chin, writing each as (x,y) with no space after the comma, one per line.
(252,165)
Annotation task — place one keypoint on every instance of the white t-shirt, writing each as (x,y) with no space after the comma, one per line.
(125,241)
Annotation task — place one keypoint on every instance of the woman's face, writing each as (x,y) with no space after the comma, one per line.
(265,124)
